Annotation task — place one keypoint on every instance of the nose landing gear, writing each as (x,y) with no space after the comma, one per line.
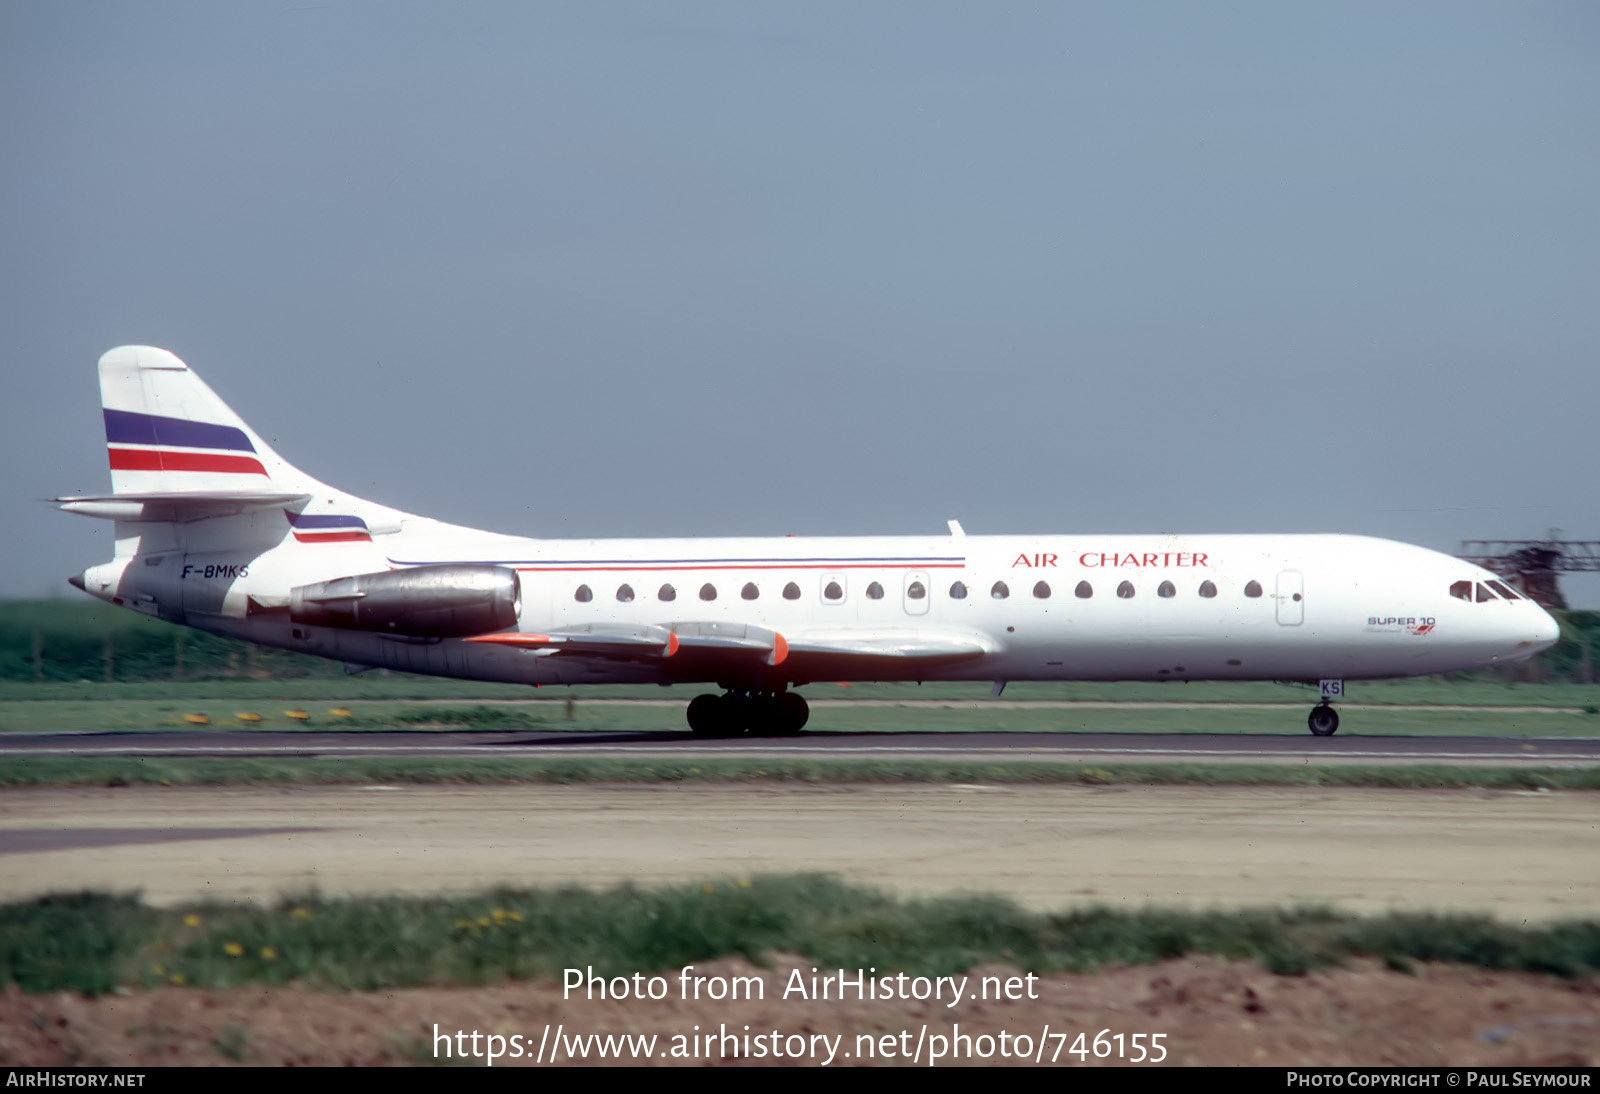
(1324,720)
(760,713)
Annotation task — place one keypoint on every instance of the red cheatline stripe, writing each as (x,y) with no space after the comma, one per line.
(748,566)
(146,459)
(333,537)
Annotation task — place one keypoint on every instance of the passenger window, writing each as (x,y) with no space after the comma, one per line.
(1166,589)
(1484,594)
(666,592)
(958,591)
(1253,589)
(874,591)
(1041,591)
(625,593)
(999,591)
(583,595)
(833,591)
(1504,590)
(791,591)
(749,592)
(1461,590)
(1208,589)
(708,591)
(916,590)
(1084,590)
(1125,590)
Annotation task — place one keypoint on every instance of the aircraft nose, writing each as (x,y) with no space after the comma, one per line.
(1546,631)
(76,580)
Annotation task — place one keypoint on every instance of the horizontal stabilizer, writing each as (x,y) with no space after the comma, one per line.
(178,506)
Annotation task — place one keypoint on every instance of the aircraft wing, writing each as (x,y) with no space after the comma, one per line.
(692,644)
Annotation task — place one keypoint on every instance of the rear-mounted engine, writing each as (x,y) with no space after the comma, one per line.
(423,602)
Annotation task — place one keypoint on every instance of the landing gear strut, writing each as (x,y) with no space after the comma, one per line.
(759,713)
(1323,720)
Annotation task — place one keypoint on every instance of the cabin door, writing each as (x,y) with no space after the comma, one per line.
(1291,598)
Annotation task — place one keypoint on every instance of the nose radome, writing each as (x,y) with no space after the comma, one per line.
(1546,631)
(77,580)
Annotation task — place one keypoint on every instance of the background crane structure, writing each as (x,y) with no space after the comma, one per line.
(1532,564)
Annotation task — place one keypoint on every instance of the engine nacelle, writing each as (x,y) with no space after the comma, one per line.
(422,602)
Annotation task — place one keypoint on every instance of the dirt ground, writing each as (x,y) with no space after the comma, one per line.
(1210,1013)
(1516,855)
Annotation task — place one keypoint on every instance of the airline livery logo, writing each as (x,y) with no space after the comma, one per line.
(1417,625)
(324,528)
(150,442)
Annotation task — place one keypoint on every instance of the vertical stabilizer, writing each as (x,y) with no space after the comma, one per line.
(168,433)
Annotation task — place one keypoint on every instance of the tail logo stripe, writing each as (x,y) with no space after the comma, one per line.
(149,459)
(129,427)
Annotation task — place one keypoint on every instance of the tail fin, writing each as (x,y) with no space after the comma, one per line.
(168,433)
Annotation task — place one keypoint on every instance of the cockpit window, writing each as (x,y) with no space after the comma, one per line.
(1252,589)
(1484,594)
(1504,590)
(1461,590)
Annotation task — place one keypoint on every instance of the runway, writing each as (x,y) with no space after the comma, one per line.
(988,746)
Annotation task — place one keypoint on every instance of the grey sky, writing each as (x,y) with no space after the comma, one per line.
(656,269)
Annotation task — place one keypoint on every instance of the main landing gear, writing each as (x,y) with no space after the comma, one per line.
(759,713)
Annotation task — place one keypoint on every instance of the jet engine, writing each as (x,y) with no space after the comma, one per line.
(422,602)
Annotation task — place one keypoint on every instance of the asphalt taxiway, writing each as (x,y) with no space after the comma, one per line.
(987,746)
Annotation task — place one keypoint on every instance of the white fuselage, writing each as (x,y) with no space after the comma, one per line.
(1207,607)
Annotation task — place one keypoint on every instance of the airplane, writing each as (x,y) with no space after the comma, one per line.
(216,531)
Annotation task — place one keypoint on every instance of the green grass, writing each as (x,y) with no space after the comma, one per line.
(21,771)
(96,943)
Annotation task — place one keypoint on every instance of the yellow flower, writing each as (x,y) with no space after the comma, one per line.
(708,889)
(233,949)
(157,970)
(515,917)
(744,883)
(191,920)
(299,913)
(268,953)
(465,924)
(483,921)
(177,978)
